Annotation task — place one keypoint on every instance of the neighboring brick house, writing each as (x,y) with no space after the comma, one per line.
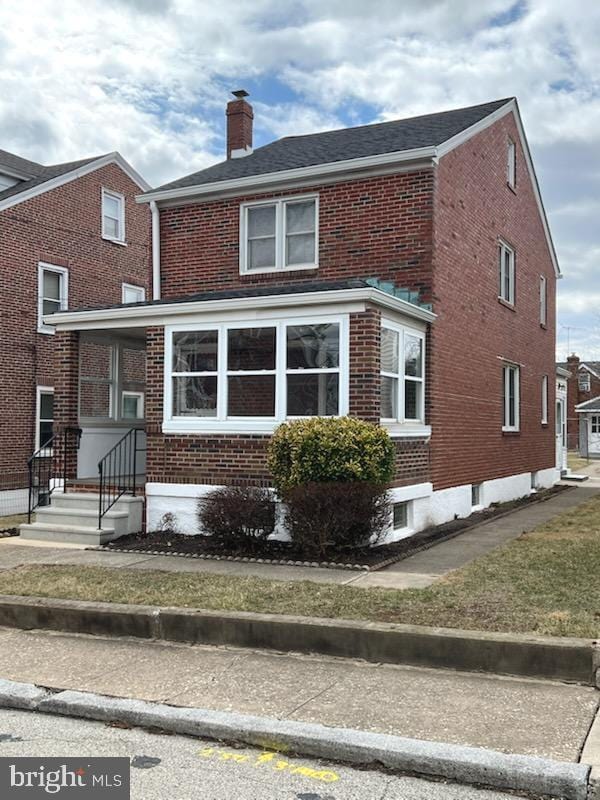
(583,385)
(70,235)
(401,272)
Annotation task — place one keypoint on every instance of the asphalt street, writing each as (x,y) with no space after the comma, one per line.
(178,768)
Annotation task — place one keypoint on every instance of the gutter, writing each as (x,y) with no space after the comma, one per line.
(154,211)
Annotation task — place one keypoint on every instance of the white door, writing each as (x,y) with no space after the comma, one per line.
(594,434)
(561,436)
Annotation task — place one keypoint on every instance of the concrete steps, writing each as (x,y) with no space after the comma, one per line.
(73,517)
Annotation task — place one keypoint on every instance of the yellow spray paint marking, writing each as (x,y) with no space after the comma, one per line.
(268,760)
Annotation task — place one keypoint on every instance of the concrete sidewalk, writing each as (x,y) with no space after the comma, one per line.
(417,571)
(519,716)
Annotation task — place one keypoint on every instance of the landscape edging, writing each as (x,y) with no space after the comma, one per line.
(428,759)
(572,660)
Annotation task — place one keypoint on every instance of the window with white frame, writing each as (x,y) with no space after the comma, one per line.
(132,405)
(506,268)
(543,300)
(510,382)
(595,424)
(244,372)
(279,234)
(53,293)
(544,400)
(583,381)
(400,514)
(44,416)
(402,374)
(475,495)
(113,216)
(132,294)
(511,163)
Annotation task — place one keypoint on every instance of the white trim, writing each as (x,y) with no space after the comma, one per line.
(140,406)
(400,421)
(564,373)
(120,200)
(162,313)
(155,222)
(543,300)
(241,152)
(583,365)
(79,172)
(544,399)
(63,272)
(132,287)
(506,369)
(221,423)
(505,249)
(583,407)
(39,391)
(511,163)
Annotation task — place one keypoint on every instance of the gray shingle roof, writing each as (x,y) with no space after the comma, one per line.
(590,405)
(323,148)
(42,175)
(17,164)
(593,365)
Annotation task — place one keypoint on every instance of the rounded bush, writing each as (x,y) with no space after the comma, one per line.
(330,450)
(237,517)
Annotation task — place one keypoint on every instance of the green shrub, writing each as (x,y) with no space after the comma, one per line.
(330,450)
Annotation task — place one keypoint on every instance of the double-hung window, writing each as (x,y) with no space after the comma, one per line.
(544,400)
(113,216)
(402,374)
(45,416)
(240,375)
(511,163)
(510,397)
(53,293)
(279,235)
(583,381)
(543,300)
(506,269)
(595,424)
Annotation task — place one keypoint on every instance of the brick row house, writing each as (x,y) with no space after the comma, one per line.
(583,404)
(400,272)
(71,235)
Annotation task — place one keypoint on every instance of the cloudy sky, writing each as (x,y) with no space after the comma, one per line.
(150,78)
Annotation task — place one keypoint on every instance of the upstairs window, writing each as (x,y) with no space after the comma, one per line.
(543,300)
(511,163)
(511,389)
(402,374)
(583,381)
(45,416)
(113,216)
(506,270)
(132,294)
(279,235)
(53,290)
(545,400)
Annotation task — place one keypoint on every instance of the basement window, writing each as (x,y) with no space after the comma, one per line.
(475,495)
(400,516)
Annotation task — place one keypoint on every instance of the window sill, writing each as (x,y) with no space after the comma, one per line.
(506,304)
(512,187)
(398,430)
(195,426)
(543,326)
(510,432)
(115,241)
(248,273)
(49,330)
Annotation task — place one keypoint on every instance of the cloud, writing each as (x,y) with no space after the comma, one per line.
(151,79)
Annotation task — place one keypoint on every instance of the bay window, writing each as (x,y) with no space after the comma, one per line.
(279,234)
(402,374)
(244,375)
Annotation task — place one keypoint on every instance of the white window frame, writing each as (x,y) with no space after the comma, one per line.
(40,390)
(476,495)
(588,381)
(280,234)
(544,399)
(131,287)
(511,163)
(543,301)
(595,423)
(503,249)
(221,422)
(400,419)
(506,369)
(407,516)
(120,198)
(140,405)
(63,274)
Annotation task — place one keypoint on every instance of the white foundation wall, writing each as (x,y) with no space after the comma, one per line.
(95,444)
(427,507)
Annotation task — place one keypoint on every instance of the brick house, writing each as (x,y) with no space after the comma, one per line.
(70,235)
(583,386)
(400,272)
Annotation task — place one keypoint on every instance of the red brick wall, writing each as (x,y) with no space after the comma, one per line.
(373,227)
(575,395)
(473,207)
(61,227)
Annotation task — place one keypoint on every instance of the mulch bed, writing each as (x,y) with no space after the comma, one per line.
(4,534)
(284,553)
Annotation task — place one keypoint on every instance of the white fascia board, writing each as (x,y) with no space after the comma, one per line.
(585,405)
(511,107)
(564,373)
(587,367)
(313,173)
(79,172)
(166,313)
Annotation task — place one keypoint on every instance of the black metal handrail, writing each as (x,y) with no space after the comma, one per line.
(117,471)
(49,467)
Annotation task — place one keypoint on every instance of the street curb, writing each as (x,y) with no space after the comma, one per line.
(571,660)
(457,763)
(24,696)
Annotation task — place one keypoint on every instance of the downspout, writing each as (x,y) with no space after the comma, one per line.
(155,250)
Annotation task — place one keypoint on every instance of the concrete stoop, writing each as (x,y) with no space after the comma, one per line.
(73,518)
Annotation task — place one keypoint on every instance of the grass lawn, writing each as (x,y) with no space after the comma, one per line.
(575,462)
(545,582)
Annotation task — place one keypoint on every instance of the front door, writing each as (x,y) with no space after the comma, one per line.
(561,436)
(594,435)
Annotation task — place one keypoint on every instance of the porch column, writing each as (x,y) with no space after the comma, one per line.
(365,364)
(66,388)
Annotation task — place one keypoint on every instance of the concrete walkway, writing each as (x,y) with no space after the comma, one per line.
(418,571)
(512,715)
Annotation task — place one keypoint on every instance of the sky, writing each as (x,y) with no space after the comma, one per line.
(150,78)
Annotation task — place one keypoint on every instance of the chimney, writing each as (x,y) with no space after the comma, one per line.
(573,360)
(239,125)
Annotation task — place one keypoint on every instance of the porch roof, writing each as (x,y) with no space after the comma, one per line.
(588,405)
(154,312)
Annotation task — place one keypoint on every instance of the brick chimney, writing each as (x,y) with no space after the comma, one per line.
(239,125)
(572,400)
